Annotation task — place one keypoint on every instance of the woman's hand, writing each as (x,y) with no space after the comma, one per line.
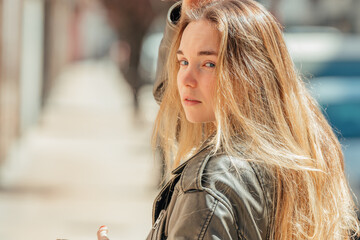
(102,233)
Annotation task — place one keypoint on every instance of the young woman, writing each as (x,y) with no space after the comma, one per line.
(259,160)
(254,157)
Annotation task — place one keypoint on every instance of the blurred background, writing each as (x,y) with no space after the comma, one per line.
(76,107)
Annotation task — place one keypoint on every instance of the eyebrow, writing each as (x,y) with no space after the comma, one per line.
(201,53)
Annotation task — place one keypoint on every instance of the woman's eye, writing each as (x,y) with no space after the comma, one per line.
(209,64)
(183,62)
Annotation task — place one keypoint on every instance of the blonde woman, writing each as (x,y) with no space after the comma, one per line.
(252,156)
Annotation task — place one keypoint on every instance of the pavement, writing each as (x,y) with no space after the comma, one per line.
(88,162)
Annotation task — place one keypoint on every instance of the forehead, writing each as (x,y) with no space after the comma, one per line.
(200,34)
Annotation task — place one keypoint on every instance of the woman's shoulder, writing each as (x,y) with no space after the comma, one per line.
(237,179)
(205,170)
(246,188)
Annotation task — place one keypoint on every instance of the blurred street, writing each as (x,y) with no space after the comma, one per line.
(87,163)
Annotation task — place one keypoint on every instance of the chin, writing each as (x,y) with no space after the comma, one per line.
(199,119)
(194,121)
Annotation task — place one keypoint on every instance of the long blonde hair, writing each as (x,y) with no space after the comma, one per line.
(265,114)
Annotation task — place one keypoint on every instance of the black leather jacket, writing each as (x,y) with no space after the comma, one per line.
(215,197)
(211,196)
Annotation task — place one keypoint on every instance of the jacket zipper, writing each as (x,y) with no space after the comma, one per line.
(159,219)
(158,198)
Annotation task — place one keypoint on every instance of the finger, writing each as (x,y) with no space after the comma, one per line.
(102,233)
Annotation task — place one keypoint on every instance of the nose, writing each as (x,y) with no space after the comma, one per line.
(188,77)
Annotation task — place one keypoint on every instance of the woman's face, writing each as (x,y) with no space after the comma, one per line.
(196,79)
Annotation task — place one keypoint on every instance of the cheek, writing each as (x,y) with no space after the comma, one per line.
(210,89)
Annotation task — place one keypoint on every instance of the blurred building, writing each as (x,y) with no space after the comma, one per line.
(11,15)
(34,46)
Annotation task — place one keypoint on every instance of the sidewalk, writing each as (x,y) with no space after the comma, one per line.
(86,164)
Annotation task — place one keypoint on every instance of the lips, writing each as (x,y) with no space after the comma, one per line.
(191,101)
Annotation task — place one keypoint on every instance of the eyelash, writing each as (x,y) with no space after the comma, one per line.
(182,63)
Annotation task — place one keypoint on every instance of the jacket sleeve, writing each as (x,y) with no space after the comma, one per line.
(200,216)
(161,74)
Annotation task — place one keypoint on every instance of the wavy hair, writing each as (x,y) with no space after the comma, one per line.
(265,114)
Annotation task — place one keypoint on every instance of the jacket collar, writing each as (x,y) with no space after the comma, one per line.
(205,146)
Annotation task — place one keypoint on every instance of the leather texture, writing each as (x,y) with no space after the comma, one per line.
(215,197)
